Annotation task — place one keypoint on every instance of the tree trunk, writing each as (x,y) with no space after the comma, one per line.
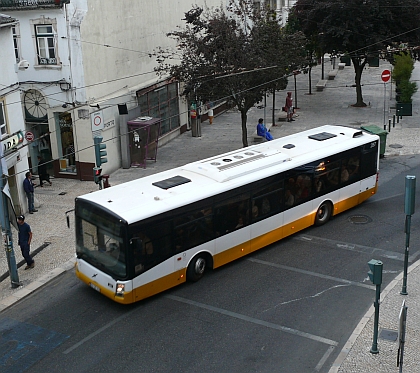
(244,130)
(310,80)
(358,69)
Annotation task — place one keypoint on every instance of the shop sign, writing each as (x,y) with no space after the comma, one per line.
(11,142)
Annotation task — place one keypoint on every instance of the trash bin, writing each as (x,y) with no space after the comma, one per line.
(382,137)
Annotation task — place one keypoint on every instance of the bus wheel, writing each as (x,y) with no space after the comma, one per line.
(196,268)
(323,214)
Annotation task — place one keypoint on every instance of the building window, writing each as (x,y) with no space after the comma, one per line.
(162,103)
(16,42)
(45,45)
(3,128)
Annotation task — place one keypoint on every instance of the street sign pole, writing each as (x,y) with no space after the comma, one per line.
(384,105)
(385,76)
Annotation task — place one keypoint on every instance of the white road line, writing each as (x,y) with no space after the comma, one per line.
(100,330)
(309,273)
(254,321)
(351,247)
(324,358)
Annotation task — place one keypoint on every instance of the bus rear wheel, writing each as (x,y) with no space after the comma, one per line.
(323,214)
(196,268)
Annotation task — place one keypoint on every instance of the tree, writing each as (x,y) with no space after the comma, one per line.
(360,28)
(234,56)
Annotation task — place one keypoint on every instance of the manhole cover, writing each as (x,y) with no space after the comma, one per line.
(389,335)
(360,219)
(395,146)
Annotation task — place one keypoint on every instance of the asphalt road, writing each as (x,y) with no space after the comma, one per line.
(287,308)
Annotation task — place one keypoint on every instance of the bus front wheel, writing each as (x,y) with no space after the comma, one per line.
(196,268)
(323,214)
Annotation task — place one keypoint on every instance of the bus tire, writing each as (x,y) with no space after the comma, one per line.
(196,268)
(323,214)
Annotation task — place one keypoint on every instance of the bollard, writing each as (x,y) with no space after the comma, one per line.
(389,125)
(398,119)
(393,121)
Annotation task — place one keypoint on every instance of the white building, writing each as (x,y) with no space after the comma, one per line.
(12,123)
(81,59)
(83,64)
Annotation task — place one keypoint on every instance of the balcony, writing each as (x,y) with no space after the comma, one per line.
(31,4)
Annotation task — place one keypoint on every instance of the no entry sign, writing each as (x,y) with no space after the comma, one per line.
(386,75)
(29,136)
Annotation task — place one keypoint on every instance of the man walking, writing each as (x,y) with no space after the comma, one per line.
(24,241)
(28,186)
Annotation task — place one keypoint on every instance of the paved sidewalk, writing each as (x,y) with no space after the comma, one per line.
(55,242)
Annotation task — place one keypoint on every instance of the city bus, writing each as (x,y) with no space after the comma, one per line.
(142,237)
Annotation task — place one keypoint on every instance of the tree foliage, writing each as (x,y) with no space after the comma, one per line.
(233,55)
(360,28)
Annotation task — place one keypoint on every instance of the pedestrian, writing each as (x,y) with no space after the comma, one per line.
(42,172)
(210,113)
(262,130)
(24,241)
(28,186)
(289,107)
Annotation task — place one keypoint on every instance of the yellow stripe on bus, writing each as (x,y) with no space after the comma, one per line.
(159,285)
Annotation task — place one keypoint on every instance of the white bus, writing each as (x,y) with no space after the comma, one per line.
(142,237)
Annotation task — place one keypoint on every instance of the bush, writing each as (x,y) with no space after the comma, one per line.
(403,67)
(407,90)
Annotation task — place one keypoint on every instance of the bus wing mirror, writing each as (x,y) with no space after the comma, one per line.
(68,217)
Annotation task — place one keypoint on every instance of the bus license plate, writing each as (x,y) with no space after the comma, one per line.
(95,287)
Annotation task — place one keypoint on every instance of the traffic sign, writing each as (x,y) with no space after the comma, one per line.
(97,121)
(29,136)
(386,75)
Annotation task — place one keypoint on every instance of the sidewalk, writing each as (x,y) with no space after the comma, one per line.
(331,106)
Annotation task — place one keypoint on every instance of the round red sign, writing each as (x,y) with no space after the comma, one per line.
(386,75)
(29,136)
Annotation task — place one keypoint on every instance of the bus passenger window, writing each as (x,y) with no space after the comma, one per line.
(353,166)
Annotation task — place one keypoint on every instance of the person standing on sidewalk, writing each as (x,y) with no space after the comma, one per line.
(28,186)
(24,241)
(210,112)
(289,107)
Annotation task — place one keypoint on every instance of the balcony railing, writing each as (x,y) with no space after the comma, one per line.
(31,4)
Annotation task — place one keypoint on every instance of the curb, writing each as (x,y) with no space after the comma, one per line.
(35,285)
(342,356)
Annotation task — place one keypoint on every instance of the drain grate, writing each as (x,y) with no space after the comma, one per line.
(360,219)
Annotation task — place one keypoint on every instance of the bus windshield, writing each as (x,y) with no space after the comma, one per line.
(99,242)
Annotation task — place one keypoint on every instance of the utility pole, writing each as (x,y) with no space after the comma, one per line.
(5,227)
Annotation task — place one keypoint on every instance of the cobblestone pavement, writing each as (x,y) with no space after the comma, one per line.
(54,243)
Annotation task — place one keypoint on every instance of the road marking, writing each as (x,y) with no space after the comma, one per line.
(100,330)
(310,273)
(254,320)
(351,247)
(324,358)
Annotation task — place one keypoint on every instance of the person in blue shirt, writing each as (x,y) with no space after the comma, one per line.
(24,241)
(28,186)
(262,130)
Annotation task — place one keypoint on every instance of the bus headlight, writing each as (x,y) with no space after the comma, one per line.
(120,290)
